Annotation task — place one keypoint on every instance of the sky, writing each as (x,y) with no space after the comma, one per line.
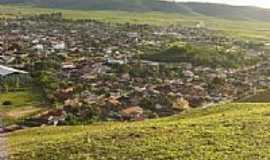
(259,3)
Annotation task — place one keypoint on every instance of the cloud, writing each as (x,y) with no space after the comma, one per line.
(259,3)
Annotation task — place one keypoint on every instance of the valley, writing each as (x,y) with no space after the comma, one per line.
(82,83)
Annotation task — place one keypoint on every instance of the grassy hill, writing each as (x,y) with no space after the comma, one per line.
(203,9)
(231,131)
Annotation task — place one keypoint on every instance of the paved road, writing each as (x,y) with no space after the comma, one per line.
(3,153)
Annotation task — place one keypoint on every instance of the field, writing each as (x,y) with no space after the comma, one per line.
(231,131)
(23,104)
(256,30)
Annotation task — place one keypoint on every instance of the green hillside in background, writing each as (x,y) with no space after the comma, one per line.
(203,9)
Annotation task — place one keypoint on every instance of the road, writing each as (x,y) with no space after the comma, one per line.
(3,153)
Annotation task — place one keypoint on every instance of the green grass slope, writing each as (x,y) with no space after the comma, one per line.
(231,131)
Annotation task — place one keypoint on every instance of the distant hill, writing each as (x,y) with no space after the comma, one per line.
(204,9)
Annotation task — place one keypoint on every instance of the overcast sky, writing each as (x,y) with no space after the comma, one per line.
(260,3)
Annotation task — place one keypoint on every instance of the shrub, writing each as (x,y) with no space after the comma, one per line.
(7,103)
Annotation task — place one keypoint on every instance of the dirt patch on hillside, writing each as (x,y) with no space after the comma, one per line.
(260,97)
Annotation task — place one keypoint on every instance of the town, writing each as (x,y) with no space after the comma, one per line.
(91,70)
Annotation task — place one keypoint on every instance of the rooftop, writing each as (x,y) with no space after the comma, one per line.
(4,71)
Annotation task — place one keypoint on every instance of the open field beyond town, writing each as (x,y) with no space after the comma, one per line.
(245,29)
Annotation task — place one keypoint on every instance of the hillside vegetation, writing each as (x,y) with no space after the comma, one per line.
(203,9)
(231,131)
(201,55)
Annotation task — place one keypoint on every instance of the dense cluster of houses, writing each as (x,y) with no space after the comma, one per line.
(101,70)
